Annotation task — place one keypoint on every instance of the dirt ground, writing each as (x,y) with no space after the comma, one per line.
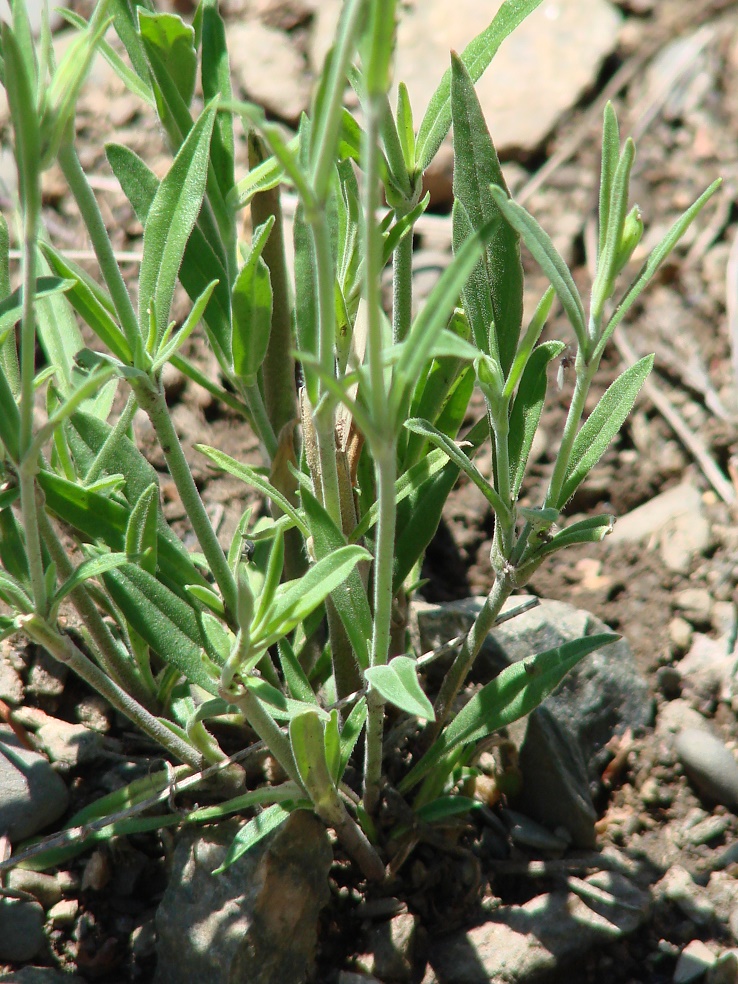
(682,103)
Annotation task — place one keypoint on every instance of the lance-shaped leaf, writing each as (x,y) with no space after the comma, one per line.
(216,81)
(398,683)
(308,743)
(548,258)
(141,529)
(500,272)
(527,409)
(476,57)
(93,567)
(200,264)
(350,733)
(294,675)
(515,692)
(170,220)
(296,599)
(252,310)
(602,425)
(254,831)
(163,620)
(173,41)
(349,598)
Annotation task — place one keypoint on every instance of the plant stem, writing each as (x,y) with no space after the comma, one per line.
(459,669)
(151,400)
(62,648)
(28,467)
(584,375)
(90,211)
(402,288)
(107,652)
(261,423)
(266,728)
(384,450)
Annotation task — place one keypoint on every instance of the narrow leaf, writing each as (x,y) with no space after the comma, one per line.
(251,833)
(398,683)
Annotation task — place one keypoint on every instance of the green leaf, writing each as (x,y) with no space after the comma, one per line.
(500,272)
(173,42)
(546,255)
(602,425)
(654,261)
(476,57)
(405,128)
(515,692)
(216,81)
(296,599)
(190,323)
(273,576)
(170,221)
(200,265)
(163,620)
(529,340)
(254,831)
(607,262)
(307,741)
(594,529)
(398,683)
(526,410)
(93,567)
(13,594)
(59,336)
(251,477)
(444,807)
(141,529)
(351,732)
(294,675)
(349,598)
(457,456)
(251,304)
(610,156)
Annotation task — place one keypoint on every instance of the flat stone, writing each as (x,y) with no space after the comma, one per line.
(11,685)
(542,937)
(695,604)
(709,764)
(650,518)
(44,888)
(31,794)
(269,69)
(694,961)
(683,539)
(255,922)
(21,930)
(392,944)
(69,744)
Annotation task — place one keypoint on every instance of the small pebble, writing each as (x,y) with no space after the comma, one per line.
(692,900)
(44,888)
(64,912)
(695,604)
(21,930)
(709,764)
(680,635)
(708,830)
(527,833)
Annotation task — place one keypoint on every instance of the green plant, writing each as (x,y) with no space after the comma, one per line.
(292,637)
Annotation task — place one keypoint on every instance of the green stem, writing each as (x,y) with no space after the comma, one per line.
(402,288)
(151,400)
(584,375)
(92,218)
(63,649)
(266,728)
(261,423)
(28,466)
(462,664)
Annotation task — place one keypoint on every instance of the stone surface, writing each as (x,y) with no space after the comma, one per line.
(11,685)
(392,945)
(709,764)
(31,794)
(694,961)
(21,930)
(70,744)
(679,887)
(269,69)
(40,975)
(656,514)
(44,888)
(257,921)
(695,604)
(563,753)
(537,940)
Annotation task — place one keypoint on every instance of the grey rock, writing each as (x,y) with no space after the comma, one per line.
(709,764)
(392,944)
(695,604)
(687,536)
(44,888)
(40,975)
(31,794)
(256,923)
(46,677)
(537,940)
(680,634)
(527,833)
(678,886)
(563,753)
(707,670)
(21,930)
(676,716)
(651,518)
(11,685)
(695,960)
(69,744)
(725,969)
(269,69)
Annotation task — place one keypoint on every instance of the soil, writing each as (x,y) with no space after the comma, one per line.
(688,135)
